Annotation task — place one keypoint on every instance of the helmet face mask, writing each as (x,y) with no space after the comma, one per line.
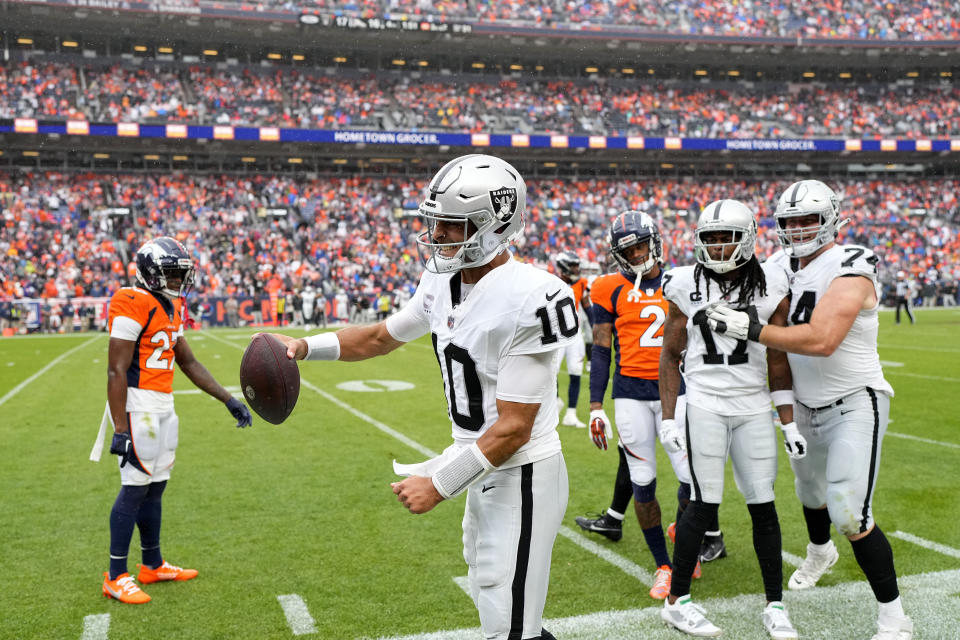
(164,266)
(807,198)
(631,229)
(484,194)
(731,216)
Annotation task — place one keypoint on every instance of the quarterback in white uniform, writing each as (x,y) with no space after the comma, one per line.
(843,400)
(728,403)
(498,328)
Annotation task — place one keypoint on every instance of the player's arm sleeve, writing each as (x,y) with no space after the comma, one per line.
(525,378)
(125,328)
(858,261)
(546,325)
(410,322)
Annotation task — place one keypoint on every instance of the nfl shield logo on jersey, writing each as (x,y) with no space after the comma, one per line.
(449,322)
(650,292)
(504,202)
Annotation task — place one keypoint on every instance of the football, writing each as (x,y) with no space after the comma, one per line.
(270,381)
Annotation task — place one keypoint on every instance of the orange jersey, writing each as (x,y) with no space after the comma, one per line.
(160,326)
(579,290)
(637,319)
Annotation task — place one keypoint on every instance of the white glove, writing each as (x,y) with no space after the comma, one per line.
(672,437)
(600,429)
(736,324)
(793,442)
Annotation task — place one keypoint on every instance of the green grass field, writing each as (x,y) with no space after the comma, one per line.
(305,508)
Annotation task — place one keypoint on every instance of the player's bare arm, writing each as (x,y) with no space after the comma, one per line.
(831,320)
(198,374)
(356,343)
(602,337)
(120,355)
(674,341)
(778,367)
(510,432)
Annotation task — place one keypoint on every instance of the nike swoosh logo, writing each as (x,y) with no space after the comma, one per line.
(486,488)
(843,413)
(551,296)
(129,296)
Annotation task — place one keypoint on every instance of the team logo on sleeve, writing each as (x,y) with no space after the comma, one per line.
(504,202)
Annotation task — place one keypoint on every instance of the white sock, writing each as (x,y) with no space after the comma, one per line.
(892,609)
(712,533)
(821,548)
(613,514)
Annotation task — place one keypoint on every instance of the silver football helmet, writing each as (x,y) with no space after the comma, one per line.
(732,216)
(801,199)
(485,194)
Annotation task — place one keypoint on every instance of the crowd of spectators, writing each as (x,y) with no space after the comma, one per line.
(309,99)
(856,19)
(356,236)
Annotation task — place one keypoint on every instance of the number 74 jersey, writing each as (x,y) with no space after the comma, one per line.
(724,375)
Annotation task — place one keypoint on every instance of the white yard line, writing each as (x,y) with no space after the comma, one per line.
(96,626)
(298,616)
(927,544)
(907,436)
(17,389)
(464,583)
(907,347)
(839,612)
(627,566)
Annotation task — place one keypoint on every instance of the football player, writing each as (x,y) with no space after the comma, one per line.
(902,293)
(630,311)
(498,328)
(842,398)
(146,339)
(728,403)
(568,268)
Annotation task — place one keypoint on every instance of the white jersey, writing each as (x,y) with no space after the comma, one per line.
(723,375)
(515,309)
(819,381)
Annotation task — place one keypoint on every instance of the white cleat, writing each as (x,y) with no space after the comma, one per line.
(570,419)
(814,566)
(777,622)
(688,617)
(890,628)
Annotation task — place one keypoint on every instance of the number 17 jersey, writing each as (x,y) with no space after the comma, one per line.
(724,375)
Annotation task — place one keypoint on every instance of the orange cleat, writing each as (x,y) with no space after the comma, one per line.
(661,583)
(697,572)
(164,572)
(123,589)
(672,532)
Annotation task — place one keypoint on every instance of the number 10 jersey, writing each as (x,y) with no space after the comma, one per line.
(515,309)
(724,375)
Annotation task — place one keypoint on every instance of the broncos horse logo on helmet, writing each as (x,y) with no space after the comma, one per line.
(162,262)
(630,229)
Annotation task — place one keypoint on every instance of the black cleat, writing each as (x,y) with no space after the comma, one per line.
(712,548)
(603,524)
(546,635)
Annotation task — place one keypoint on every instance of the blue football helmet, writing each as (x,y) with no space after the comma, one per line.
(629,229)
(160,263)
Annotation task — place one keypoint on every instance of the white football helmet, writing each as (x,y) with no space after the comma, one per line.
(732,216)
(485,194)
(801,199)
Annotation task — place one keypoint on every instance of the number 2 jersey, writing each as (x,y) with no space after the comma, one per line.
(637,315)
(819,381)
(155,324)
(724,375)
(515,309)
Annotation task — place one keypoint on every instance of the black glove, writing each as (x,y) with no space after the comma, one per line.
(239,411)
(121,446)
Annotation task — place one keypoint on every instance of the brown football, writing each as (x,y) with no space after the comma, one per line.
(270,381)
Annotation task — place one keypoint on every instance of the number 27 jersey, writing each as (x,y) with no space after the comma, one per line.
(724,375)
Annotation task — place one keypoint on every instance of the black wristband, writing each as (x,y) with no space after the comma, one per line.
(753,331)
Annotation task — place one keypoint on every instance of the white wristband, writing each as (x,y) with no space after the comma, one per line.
(323,346)
(469,466)
(782,397)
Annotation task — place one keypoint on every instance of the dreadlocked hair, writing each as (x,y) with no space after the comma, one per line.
(750,281)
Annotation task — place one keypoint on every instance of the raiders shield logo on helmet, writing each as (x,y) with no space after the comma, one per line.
(504,202)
